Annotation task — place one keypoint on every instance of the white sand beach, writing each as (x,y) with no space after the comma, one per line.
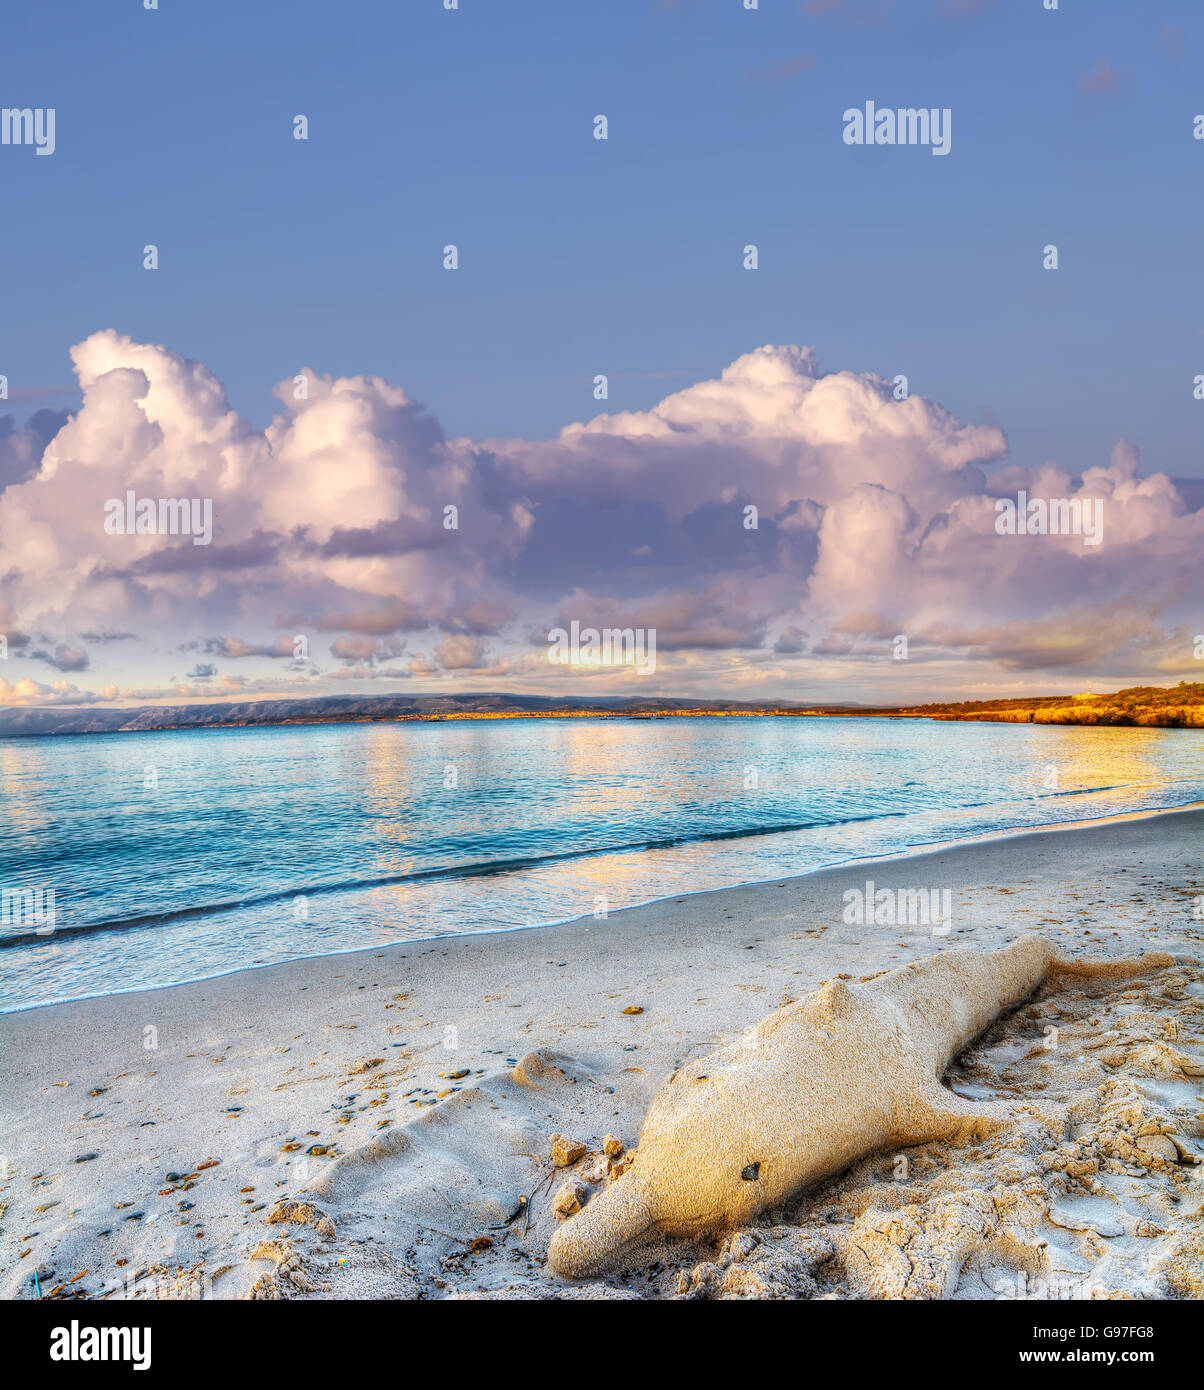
(380,1124)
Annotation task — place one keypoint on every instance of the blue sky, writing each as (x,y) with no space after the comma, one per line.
(581,256)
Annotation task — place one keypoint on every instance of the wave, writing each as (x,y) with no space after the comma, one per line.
(483,869)
(479,869)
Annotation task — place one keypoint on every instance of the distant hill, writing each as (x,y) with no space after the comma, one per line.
(1175,707)
(31,721)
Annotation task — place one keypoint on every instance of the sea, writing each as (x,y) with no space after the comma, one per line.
(144,859)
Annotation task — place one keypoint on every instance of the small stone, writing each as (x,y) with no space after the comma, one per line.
(568,1201)
(620,1165)
(1160,1145)
(566,1151)
(743,1243)
(300,1214)
(479,1243)
(633,1009)
(611,1146)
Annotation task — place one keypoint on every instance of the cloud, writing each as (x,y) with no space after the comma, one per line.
(721,615)
(368,650)
(459,652)
(14,640)
(1102,79)
(234,648)
(63,658)
(344,513)
(773,515)
(865,14)
(1172,41)
(961,9)
(21,448)
(874,13)
(783,70)
(790,641)
(27,691)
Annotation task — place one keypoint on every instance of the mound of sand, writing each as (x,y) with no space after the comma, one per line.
(1094,1192)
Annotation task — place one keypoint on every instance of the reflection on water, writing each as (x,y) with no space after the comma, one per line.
(232,826)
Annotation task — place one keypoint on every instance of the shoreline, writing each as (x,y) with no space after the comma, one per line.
(1189,717)
(911,852)
(412,1088)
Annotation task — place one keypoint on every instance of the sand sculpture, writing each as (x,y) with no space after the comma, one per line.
(852,1069)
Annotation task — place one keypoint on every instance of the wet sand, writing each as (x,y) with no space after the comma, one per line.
(154,1141)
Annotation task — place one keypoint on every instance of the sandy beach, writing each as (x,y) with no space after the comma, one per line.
(379,1124)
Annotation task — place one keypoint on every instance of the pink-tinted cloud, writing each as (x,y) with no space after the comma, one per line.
(1102,79)
(784,69)
(772,519)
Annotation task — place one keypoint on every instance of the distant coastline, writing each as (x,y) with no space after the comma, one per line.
(1169,707)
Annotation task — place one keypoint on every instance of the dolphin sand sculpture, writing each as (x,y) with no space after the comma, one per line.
(850,1070)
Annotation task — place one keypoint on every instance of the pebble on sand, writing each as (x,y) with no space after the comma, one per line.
(566,1151)
(568,1201)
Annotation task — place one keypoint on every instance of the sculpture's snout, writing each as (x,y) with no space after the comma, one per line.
(617,1221)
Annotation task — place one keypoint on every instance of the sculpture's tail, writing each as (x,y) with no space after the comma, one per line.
(950,997)
(1103,968)
(616,1220)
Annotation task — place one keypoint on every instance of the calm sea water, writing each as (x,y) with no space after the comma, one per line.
(180,855)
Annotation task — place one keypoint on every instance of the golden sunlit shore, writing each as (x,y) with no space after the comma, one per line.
(1174,707)
(385,1122)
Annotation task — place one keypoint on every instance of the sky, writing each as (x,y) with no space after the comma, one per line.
(331,565)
